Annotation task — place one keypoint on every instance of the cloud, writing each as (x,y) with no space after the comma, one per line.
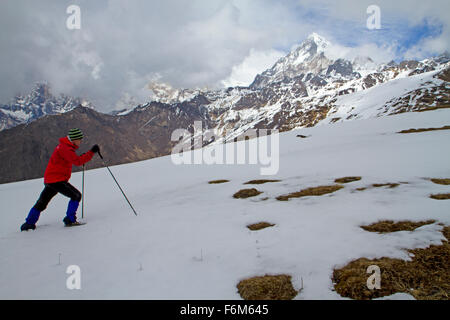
(256,62)
(346,20)
(122,45)
(429,46)
(379,54)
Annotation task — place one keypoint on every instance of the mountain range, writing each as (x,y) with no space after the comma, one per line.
(303,89)
(37,104)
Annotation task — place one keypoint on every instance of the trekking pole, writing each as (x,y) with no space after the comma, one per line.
(82,194)
(117,182)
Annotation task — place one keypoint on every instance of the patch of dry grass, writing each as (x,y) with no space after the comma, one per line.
(390,185)
(218,181)
(261,181)
(335,120)
(347,179)
(259,226)
(441,181)
(361,189)
(440,196)
(426,277)
(424,129)
(439,106)
(268,287)
(386,226)
(246,193)
(315,191)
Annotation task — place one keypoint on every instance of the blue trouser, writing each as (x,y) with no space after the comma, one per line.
(50,190)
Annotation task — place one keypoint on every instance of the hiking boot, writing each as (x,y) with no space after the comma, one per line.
(68,222)
(26,227)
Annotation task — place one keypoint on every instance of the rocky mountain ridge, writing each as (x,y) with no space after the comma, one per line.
(303,89)
(38,103)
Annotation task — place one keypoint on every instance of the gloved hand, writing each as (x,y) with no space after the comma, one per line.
(95,149)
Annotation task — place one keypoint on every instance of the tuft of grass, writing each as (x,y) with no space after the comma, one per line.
(315,191)
(440,196)
(218,181)
(347,179)
(390,185)
(246,193)
(302,136)
(335,120)
(361,189)
(387,226)
(441,181)
(425,277)
(268,287)
(439,106)
(259,226)
(261,181)
(424,129)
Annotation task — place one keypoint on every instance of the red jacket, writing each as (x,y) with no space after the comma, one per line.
(59,167)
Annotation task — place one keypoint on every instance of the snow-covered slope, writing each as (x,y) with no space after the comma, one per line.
(294,103)
(190,241)
(381,99)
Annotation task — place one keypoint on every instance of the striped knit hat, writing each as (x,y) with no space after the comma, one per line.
(75,134)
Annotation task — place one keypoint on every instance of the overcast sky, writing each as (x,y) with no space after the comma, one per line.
(124,45)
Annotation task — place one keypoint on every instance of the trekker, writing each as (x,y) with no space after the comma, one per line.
(56,179)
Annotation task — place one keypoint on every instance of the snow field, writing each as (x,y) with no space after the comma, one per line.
(190,241)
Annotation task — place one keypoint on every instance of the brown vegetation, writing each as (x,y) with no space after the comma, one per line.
(390,185)
(218,181)
(246,193)
(261,181)
(440,196)
(259,226)
(386,226)
(347,179)
(424,129)
(426,277)
(267,287)
(315,191)
(441,181)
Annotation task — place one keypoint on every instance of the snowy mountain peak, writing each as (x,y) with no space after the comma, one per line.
(165,93)
(308,49)
(37,103)
(320,41)
(40,92)
(308,57)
